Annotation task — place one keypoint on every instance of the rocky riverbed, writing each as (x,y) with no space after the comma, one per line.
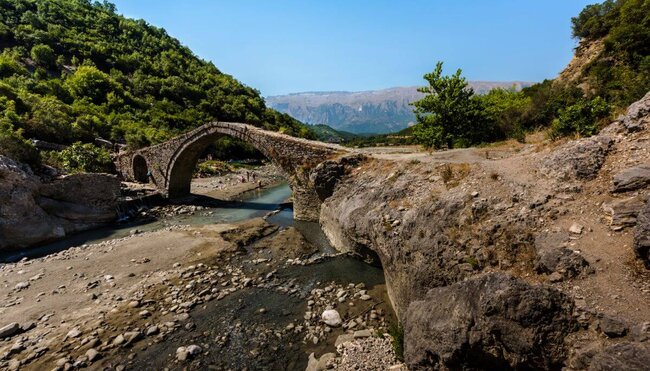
(222,296)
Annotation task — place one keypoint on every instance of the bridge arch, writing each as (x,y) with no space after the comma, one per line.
(170,164)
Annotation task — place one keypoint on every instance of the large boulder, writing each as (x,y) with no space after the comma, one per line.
(22,221)
(631,179)
(493,321)
(642,235)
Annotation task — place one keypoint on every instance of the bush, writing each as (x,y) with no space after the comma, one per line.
(582,118)
(14,146)
(87,157)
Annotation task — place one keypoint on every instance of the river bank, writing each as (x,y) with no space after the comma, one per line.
(241,292)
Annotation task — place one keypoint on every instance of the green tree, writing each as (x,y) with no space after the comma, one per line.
(505,107)
(43,55)
(88,81)
(86,157)
(450,114)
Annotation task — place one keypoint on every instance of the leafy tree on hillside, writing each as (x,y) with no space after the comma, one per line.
(450,114)
(43,55)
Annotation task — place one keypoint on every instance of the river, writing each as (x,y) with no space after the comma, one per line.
(232,332)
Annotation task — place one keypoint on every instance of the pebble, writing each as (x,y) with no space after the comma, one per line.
(21,285)
(576,228)
(92,354)
(152,330)
(73,333)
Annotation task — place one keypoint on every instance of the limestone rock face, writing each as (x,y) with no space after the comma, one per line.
(494,321)
(327,174)
(33,212)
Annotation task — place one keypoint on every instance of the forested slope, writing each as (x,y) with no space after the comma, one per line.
(72,70)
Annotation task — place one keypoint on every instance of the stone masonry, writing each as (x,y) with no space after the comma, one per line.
(170,164)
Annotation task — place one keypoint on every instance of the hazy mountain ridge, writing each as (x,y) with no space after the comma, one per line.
(374,111)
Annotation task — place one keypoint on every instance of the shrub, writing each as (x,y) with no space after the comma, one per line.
(86,158)
(582,118)
(14,146)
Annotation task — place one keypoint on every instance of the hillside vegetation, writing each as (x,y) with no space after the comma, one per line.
(72,70)
(452,115)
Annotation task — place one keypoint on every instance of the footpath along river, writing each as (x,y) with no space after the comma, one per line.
(256,306)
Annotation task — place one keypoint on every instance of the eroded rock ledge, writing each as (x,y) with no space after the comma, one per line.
(513,260)
(33,211)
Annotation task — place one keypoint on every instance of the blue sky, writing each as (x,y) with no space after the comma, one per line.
(286,46)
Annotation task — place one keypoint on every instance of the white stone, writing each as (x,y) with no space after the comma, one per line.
(331,318)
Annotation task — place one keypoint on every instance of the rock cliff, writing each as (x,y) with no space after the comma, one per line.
(522,241)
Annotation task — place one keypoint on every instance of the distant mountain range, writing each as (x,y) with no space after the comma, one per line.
(364,112)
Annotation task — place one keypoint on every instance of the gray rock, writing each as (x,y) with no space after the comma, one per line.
(21,285)
(612,327)
(9,330)
(327,174)
(359,334)
(493,321)
(152,330)
(642,235)
(132,336)
(632,178)
(623,356)
(559,260)
(636,117)
(193,349)
(74,333)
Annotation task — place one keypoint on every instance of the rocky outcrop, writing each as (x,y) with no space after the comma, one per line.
(637,116)
(327,174)
(494,321)
(580,159)
(32,212)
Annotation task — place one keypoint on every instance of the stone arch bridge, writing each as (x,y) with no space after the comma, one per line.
(170,165)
